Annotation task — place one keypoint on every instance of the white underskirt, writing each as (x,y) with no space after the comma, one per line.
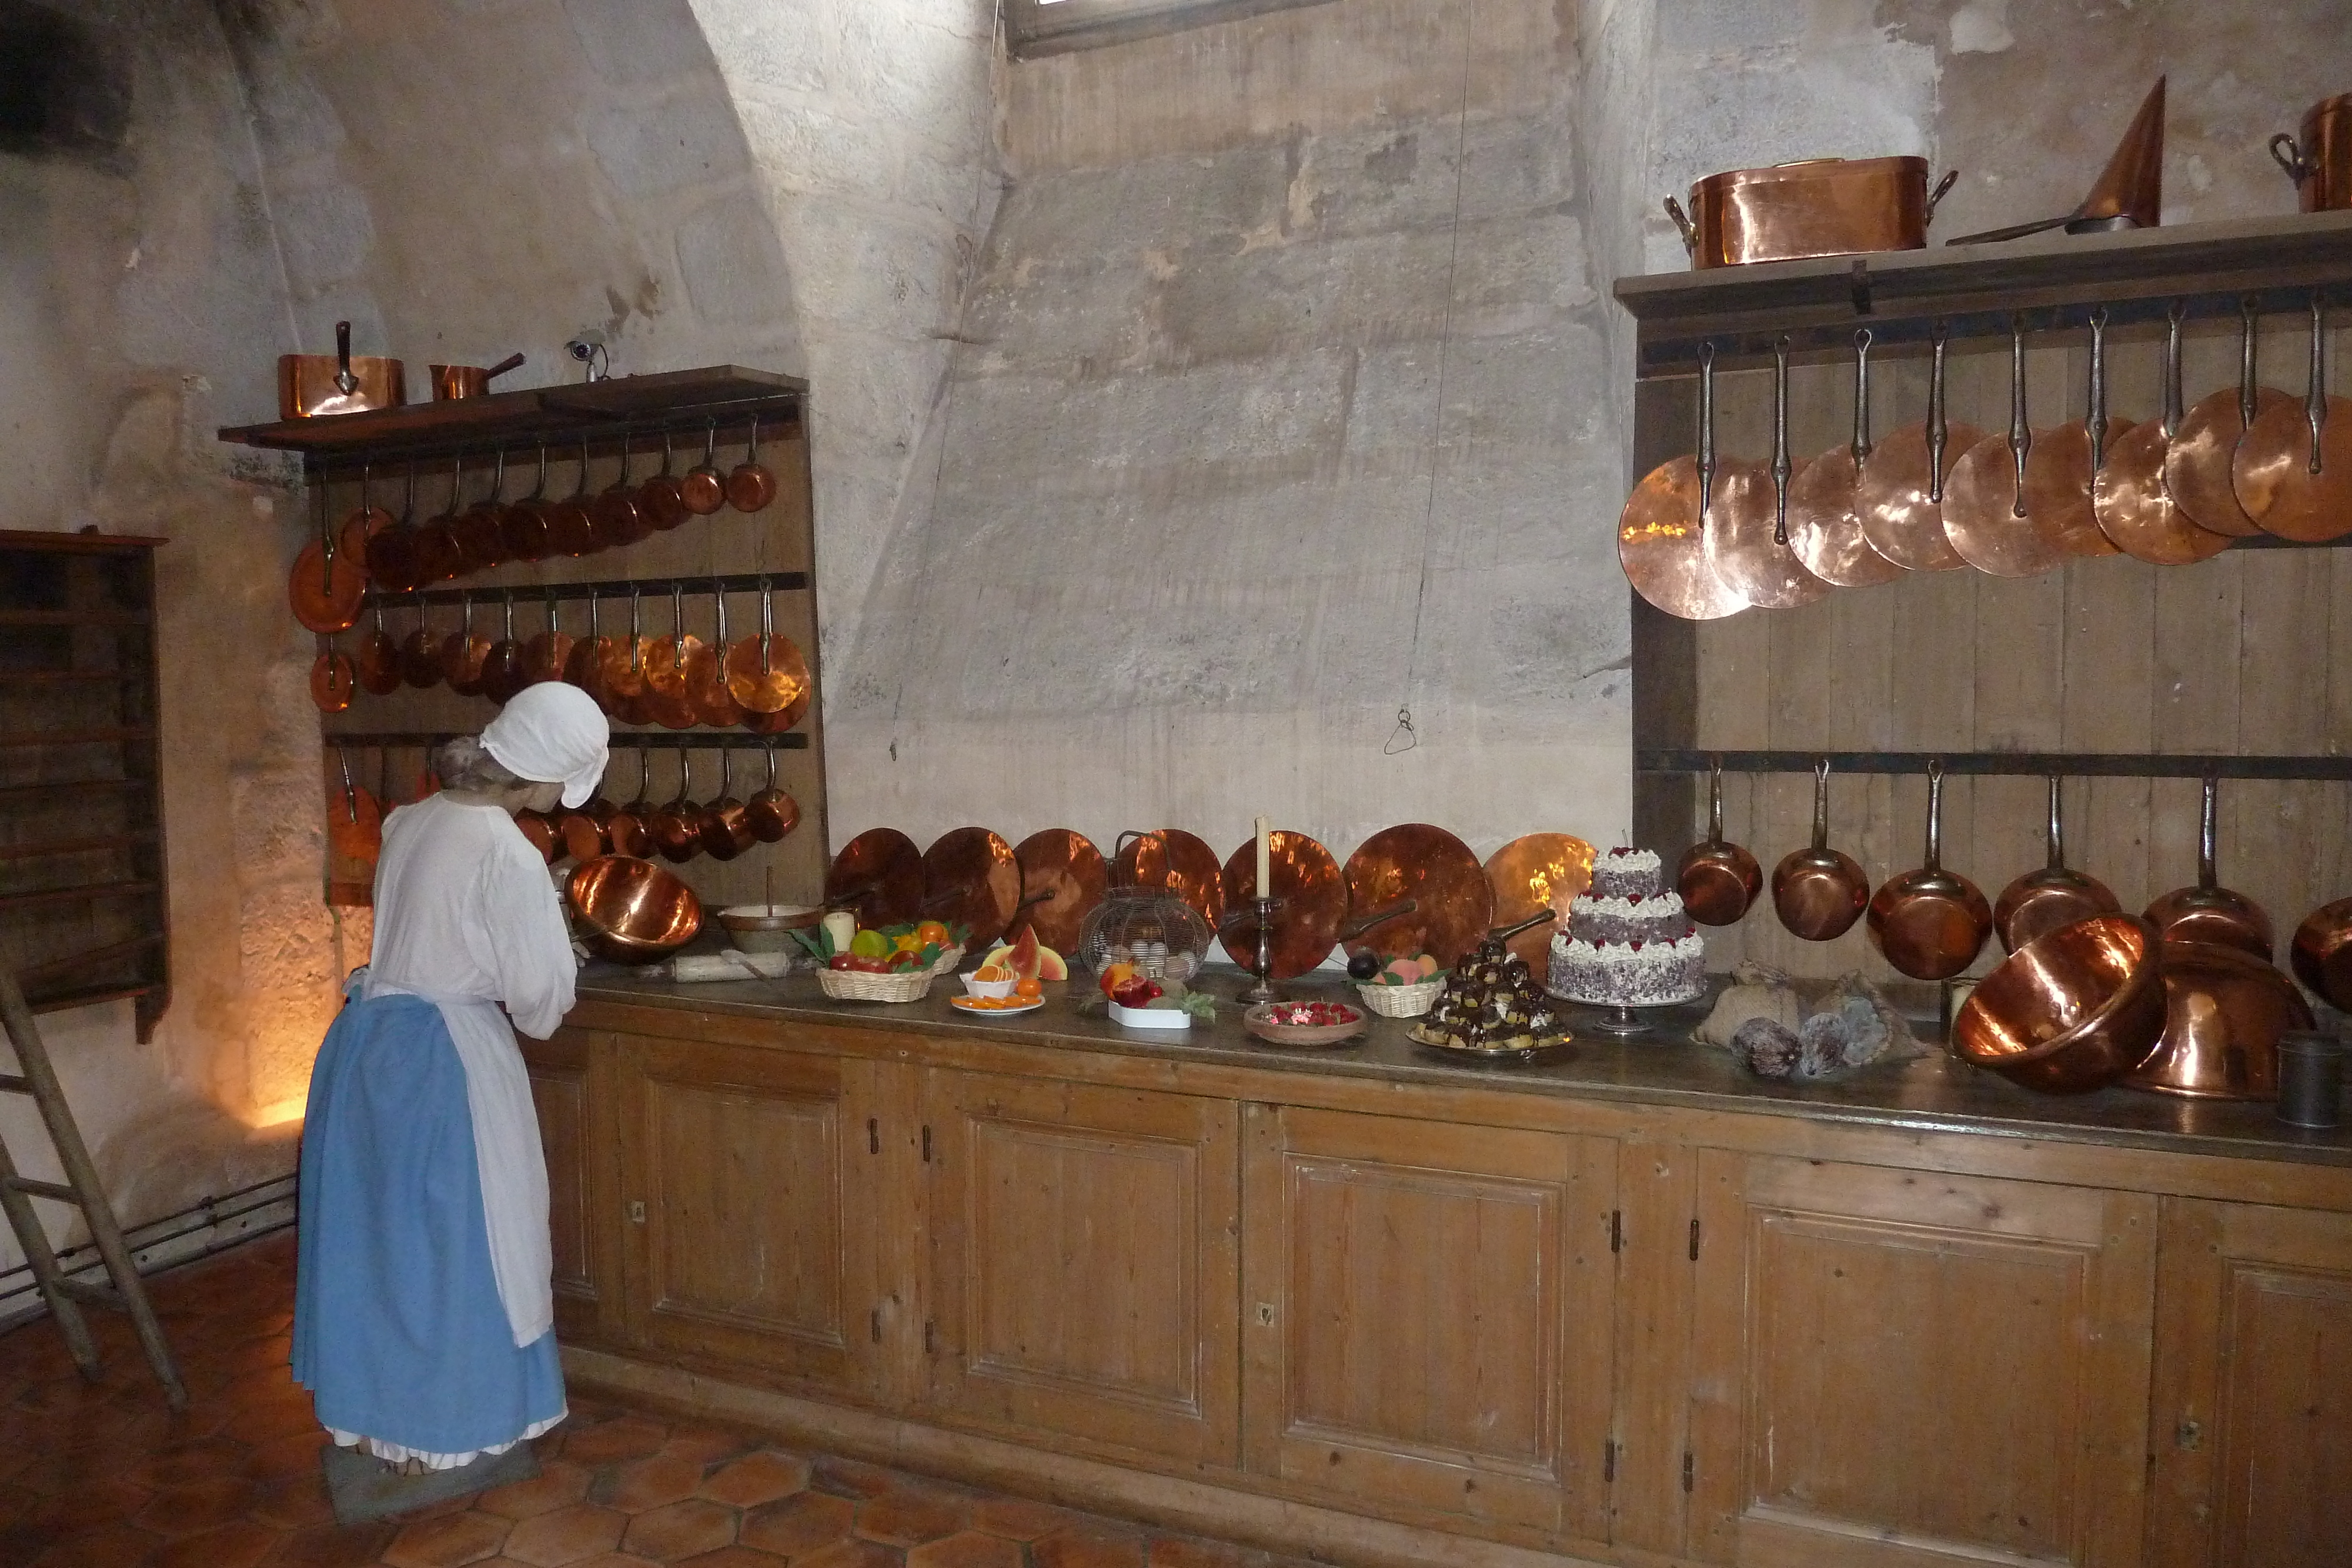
(399,1454)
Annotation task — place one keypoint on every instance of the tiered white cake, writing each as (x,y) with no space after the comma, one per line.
(1629,942)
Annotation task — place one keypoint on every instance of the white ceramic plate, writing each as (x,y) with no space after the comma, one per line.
(969,1005)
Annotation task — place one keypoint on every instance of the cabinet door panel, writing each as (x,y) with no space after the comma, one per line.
(579,1205)
(1429,1314)
(2254,1388)
(1905,1368)
(746,1247)
(1083,1261)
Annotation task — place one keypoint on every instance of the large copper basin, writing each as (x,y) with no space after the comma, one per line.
(632,911)
(2069,1012)
(2224,1011)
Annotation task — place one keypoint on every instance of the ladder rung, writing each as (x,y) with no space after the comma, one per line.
(50,1189)
(97,1295)
(12,1084)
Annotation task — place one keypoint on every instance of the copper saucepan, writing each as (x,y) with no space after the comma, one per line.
(452,381)
(773,813)
(2209,912)
(1823,527)
(1819,206)
(1746,530)
(1718,881)
(2040,902)
(626,829)
(2319,159)
(1900,497)
(1931,923)
(725,823)
(313,385)
(1819,892)
(677,828)
(2197,464)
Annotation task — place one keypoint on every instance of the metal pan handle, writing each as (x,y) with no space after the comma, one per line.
(1681,221)
(1943,188)
(345,382)
(2288,155)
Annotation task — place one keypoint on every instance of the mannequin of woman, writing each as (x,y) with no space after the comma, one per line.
(424,1309)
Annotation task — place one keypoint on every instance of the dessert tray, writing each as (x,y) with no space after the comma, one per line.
(1549,1047)
(1625,1018)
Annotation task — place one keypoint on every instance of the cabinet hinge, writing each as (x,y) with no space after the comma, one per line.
(873,1135)
(1693,1245)
(876,1322)
(927,1145)
(930,1336)
(1687,1469)
(1616,1230)
(1609,1462)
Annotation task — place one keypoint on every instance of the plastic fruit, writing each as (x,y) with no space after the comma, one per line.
(839,961)
(1114,975)
(1363,964)
(1051,966)
(1028,990)
(931,931)
(869,945)
(991,973)
(1135,993)
(1024,953)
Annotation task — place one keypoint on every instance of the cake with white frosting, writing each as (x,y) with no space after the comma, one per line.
(1629,941)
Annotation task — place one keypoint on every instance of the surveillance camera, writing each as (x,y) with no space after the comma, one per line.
(584,346)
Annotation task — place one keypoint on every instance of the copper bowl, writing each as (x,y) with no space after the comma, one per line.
(2069,1012)
(632,911)
(2224,1011)
(2323,952)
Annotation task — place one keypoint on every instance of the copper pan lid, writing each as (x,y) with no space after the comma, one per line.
(1661,534)
(1171,860)
(1453,902)
(879,876)
(971,879)
(1900,497)
(2134,508)
(2292,469)
(1062,879)
(1306,878)
(1534,872)
(1823,527)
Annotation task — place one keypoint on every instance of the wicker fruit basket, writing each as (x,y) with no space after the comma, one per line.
(857,985)
(1402,1002)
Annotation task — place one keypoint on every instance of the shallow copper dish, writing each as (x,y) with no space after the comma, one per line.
(1454,903)
(2293,486)
(2224,1011)
(1823,527)
(1534,872)
(632,911)
(1306,925)
(1900,497)
(2069,1012)
(1173,860)
(970,878)
(677,663)
(1062,879)
(2128,497)
(2197,465)
(2322,953)
(1661,534)
(878,877)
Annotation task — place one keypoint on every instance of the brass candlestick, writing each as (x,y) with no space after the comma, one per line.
(1264,966)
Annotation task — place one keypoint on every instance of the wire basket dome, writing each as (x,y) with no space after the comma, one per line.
(1163,936)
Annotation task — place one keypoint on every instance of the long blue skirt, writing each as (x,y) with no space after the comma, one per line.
(398,1331)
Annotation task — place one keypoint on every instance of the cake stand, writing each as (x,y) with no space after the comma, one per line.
(1624,1020)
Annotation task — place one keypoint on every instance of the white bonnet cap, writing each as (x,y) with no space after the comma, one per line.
(552,732)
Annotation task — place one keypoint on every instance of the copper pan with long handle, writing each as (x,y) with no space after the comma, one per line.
(1718,881)
(2293,468)
(2207,912)
(1991,514)
(2198,464)
(1823,527)
(452,381)
(1746,534)
(1899,499)
(2040,902)
(1819,892)
(1931,922)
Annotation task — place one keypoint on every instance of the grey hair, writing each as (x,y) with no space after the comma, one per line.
(463,764)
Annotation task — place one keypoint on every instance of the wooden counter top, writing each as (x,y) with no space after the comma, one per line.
(1931,1094)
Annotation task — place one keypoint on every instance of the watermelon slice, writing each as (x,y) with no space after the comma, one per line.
(1051,966)
(1024,953)
(1044,963)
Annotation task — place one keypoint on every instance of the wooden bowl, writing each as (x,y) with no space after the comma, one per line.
(2069,1012)
(1259,1022)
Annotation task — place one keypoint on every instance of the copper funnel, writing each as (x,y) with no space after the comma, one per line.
(2129,192)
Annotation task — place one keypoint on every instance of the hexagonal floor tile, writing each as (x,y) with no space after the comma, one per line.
(558,1484)
(447,1541)
(681,1529)
(566,1535)
(802,1522)
(966,1549)
(642,1485)
(757,1478)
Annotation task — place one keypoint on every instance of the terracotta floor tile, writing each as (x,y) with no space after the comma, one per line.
(681,1529)
(566,1534)
(852,1554)
(851,1478)
(1018,1519)
(608,1442)
(205,1505)
(275,1418)
(758,1479)
(334,1546)
(642,1485)
(283,1457)
(736,1557)
(114,1546)
(908,1516)
(240,1543)
(292,1504)
(447,1541)
(707,1446)
(802,1522)
(87,1506)
(1183,1551)
(966,1549)
(1087,1549)
(559,1484)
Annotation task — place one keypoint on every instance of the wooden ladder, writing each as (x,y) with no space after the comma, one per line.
(66,1296)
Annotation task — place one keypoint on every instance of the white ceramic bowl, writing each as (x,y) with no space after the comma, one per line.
(995,990)
(1150,1018)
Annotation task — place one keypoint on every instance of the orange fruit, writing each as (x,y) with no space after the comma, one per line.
(1115,976)
(1029,990)
(928,932)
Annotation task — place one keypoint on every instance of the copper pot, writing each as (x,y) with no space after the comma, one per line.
(677,828)
(2209,912)
(1718,881)
(2069,1012)
(2224,1011)
(626,829)
(725,824)
(310,386)
(1931,923)
(1820,206)
(2040,902)
(2319,159)
(773,814)
(632,911)
(1819,892)
(2323,952)
(451,381)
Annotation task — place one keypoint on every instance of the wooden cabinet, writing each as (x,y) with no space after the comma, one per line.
(2253,1389)
(1909,1368)
(748,1214)
(579,1210)
(1428,1314)
(1083,1278)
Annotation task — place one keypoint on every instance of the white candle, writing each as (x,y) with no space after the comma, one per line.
(1264,860)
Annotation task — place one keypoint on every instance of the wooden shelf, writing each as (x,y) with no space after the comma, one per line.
(2002,764)
(697,740)
(18,740)
(610,588)
(2055,279)
(49,794)
(47,895)
(672,401)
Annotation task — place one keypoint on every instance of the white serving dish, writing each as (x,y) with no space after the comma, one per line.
(1150,1018)
(995,990)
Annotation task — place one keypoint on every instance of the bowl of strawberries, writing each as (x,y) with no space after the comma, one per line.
(1305,1023)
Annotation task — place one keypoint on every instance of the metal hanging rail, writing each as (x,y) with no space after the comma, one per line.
(623,739)
(617,588)
(2002,764)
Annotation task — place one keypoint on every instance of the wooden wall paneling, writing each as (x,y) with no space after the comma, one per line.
(1665,648)
(2252,1455)
(2108,706)
(1656,1293)
(2288,613)
(1483,1387)
(1084,1264)
(1988,1404)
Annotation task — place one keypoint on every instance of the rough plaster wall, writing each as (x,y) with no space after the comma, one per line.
(868,122)
(1280,412)
(128,291)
